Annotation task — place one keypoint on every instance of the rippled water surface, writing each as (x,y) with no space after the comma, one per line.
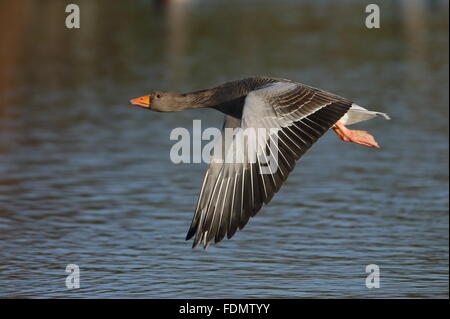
(86,179)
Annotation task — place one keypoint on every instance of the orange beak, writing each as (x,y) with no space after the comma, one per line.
(143,101)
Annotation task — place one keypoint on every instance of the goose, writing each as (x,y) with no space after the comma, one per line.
(297,114)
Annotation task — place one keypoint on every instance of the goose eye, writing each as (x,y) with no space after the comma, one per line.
(158,96)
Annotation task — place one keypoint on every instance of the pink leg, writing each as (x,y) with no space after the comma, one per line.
(354,136)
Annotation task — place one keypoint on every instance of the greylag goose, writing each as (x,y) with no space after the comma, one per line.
(297,114)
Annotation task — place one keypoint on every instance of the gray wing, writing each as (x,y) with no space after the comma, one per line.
(231,193)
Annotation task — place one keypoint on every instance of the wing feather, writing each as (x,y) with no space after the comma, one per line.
(233,192)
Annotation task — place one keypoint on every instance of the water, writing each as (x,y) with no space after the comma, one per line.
(86,179)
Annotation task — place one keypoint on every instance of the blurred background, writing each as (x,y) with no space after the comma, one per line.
(86,179)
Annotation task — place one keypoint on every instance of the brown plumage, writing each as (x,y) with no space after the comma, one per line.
(233,192)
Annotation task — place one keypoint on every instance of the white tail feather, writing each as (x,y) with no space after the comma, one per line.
(358,114)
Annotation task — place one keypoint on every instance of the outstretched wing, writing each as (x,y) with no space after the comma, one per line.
(295,117)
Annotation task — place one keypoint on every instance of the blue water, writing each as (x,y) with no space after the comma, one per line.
(86,179)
